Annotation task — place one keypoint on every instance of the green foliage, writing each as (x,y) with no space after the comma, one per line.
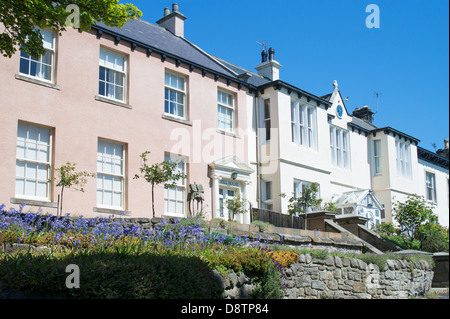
(270,287)
(308,199)
(419,229)
(262,225)
(433,238)
(236,205)
(159,173)
(69,178)
(106,275)
(386,229)
(329,207)
(299,205)
(413,213)
(21,18)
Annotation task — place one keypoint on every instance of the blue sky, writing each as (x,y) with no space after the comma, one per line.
(406,60)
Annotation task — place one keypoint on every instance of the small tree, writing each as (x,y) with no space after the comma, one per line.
(413,213)
(160,173)
(69,178)
(308,199)
(433,237)
(236,205)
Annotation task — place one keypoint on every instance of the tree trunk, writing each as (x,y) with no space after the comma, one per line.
(61,203)
(153,200)
(304,212)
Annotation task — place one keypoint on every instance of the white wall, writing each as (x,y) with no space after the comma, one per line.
(441,208)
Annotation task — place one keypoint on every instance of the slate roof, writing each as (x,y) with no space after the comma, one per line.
(159,39)
(362,124)
(255,79)
(163,41)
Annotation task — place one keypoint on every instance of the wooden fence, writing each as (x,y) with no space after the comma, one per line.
(277,219)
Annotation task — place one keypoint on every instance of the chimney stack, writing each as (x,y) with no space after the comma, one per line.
(364,113)
(173,22)
(269,69)
(445,151)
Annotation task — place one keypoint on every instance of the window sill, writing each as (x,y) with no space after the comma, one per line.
(111,211)
(32,202)
(227,133)
(37,81)
(176,119)
(113,102)
(312,149)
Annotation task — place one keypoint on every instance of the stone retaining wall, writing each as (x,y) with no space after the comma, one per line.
(341,278)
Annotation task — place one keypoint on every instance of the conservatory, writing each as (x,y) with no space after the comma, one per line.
(361,203)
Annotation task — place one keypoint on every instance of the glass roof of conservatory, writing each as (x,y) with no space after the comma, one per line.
(350,197)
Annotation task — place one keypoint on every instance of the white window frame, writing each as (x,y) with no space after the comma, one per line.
(430,186)
(340,147)
(102,158)
(168,88)
(403,155)
(267,193)
(267,123)
(51,50)
(227,106)
(304,124)
(26,161)
(377,158)
(115,69)
(180,188)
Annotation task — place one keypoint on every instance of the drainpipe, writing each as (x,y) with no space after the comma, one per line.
(258,153)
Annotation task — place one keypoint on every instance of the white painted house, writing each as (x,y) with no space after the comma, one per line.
(300,138)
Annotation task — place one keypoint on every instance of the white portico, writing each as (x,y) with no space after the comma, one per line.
(230,176)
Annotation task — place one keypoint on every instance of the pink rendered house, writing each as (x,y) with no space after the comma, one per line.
(100,99)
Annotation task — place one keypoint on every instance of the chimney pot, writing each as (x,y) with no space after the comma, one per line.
(175,7)
(446,143)
(271,54)
(264,56)
(166,11)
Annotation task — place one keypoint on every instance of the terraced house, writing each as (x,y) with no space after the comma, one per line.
(101,98)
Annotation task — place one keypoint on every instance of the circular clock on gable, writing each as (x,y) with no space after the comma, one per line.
(340,111)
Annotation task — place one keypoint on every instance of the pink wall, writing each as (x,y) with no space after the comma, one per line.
(79,120)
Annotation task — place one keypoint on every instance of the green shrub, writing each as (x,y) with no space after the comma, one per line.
(271,285)
(111,276)
(262,225)
(433,238)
